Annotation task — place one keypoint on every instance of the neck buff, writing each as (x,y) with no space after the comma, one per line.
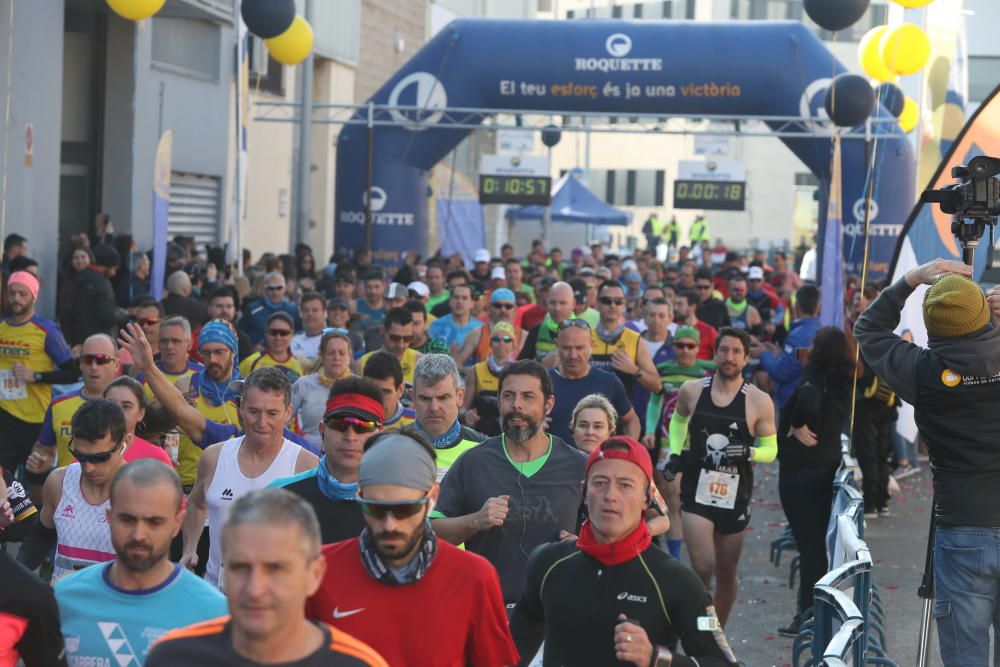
(737,308)
(609,336)
(494,367)
(330,487)
(217,393)
(412,572)
(447,439)
(618,552)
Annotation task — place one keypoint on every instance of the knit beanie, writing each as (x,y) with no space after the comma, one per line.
(955,306)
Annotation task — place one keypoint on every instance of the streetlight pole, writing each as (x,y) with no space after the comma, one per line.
(304,169)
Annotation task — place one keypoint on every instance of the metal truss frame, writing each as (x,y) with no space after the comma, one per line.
(481,119)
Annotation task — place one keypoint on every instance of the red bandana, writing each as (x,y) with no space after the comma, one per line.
(618,552)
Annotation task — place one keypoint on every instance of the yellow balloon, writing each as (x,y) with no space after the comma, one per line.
(869,57)
(905,49)
(135,10)
(912,4)
(910,115)
(294,45)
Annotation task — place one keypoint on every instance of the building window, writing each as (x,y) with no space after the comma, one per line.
(637,10)
(628,187)
(806,179)
(188,45)
(570,14)
(616,12)
(266,73)
(984,74)
(762,10)
(689,11)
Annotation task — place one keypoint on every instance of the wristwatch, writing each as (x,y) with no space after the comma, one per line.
(662,657)
(38,377)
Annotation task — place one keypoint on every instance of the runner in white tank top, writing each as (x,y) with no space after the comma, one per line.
(229,483)
(84,535)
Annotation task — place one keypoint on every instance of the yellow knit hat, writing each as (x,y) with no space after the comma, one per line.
(955,306)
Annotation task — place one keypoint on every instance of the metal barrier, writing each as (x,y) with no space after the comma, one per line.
(847,625)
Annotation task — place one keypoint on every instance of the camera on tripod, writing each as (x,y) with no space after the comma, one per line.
(974,201)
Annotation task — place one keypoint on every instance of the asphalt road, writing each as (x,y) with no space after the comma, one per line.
(765,603)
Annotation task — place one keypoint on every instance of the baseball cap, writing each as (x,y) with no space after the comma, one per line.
(419,288)
(634,453)
(355,405)
(396,291)
(755,273)
(577,252)
(502,294)
(498,273)
(337,302)
(629,265)
(482,255)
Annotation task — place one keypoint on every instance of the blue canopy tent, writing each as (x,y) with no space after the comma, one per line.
(573,202)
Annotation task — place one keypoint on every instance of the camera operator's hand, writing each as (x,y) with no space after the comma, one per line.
(927,273)
(993,298)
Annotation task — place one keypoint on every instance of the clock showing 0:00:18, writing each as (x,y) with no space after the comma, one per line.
(501,189)
(717,195)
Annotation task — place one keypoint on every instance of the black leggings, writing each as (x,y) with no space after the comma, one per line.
(807,497)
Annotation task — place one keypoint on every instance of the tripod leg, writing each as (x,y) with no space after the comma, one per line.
(926,591)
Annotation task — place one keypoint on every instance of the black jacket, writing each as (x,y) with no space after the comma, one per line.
(94,310)
(195,311)
(953,387)
(572,601)
(822,406)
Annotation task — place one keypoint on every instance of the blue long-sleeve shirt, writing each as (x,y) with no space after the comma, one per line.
(785,368)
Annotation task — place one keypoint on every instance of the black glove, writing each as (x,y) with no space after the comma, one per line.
(737,452)
(670,467)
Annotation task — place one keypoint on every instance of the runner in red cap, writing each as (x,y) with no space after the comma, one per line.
(599,600)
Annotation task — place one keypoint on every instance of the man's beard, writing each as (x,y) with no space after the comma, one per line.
(139,561)
(520,434)
(410,545)
(729,374)
(217,372)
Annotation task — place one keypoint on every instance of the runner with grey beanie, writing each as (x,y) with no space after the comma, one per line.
(374,582)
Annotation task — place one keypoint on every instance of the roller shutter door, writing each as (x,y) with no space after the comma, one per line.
(195,203)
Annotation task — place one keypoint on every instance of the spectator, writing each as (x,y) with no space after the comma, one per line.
(94,310)
(179,301)
(136,284)
(257,312)
(785,366)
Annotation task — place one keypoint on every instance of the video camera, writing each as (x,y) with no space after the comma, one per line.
(974,201)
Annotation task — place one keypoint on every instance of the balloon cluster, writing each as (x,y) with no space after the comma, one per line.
(289,37)
(884,54)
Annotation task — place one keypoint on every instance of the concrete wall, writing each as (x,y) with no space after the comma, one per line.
(381,22)
(35,93)
(146,99)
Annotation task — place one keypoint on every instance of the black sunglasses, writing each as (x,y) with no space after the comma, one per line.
(279,333)
(100,457)
(609,301)
(501,339)
(579,324)
(379,510)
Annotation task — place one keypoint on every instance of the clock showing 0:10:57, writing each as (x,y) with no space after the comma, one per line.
(510,189)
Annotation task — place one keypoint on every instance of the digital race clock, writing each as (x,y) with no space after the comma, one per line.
(511,189)
(718,195)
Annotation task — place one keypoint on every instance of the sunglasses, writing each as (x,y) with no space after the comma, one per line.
(502,306)
(611,301)
(148,321)
(400,339)
(501,339)
(361,426)
(274,288)
(101,457)
(686,346)
(99,359)
(399,511)
(579,324)
(279,333)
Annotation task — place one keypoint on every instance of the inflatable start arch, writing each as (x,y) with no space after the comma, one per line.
(616,67)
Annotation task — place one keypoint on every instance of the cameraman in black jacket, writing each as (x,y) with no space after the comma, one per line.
(954,386)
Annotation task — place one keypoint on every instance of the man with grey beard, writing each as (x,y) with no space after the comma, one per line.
(517,490)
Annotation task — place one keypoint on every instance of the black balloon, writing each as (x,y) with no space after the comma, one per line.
(268,18)
(551,135)
(835,14)
(891,98)
(849,100)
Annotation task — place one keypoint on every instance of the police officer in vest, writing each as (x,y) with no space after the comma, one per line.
(699,231)
(953,386)
(652,229)
(672,232)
